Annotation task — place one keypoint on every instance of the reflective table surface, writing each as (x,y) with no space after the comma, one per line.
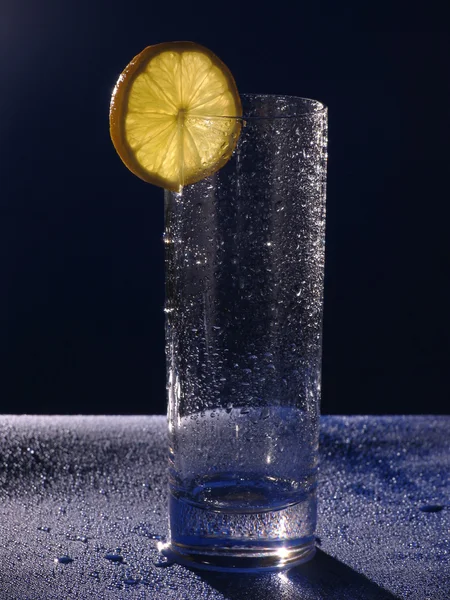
(83,508)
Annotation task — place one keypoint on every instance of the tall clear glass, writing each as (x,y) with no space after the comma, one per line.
(244,288)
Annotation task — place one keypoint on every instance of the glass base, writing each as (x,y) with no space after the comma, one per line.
(241,560)
(241,539)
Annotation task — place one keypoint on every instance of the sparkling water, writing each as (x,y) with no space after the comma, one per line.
(258,488)
(244,459)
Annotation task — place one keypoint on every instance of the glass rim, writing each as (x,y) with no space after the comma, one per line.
(308,110)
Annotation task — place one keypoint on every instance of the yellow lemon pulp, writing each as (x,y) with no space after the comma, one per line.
(173,114)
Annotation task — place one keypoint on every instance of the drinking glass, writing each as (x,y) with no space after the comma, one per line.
(244,288)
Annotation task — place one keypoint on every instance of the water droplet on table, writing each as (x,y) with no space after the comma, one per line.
(131,581)
(77,538)
(116,558)
(431,508)
(63,560)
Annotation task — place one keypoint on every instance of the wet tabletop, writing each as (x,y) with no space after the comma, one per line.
(83,506)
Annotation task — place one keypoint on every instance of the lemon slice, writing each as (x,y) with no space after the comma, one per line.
(173,114)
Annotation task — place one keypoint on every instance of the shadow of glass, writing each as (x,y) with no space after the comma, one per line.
(322,578)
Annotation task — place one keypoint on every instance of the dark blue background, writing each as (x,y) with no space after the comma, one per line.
(81,257)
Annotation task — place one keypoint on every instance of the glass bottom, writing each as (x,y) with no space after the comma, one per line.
(241,560)
(262,539)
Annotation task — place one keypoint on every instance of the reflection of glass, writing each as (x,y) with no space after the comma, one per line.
(244,279)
